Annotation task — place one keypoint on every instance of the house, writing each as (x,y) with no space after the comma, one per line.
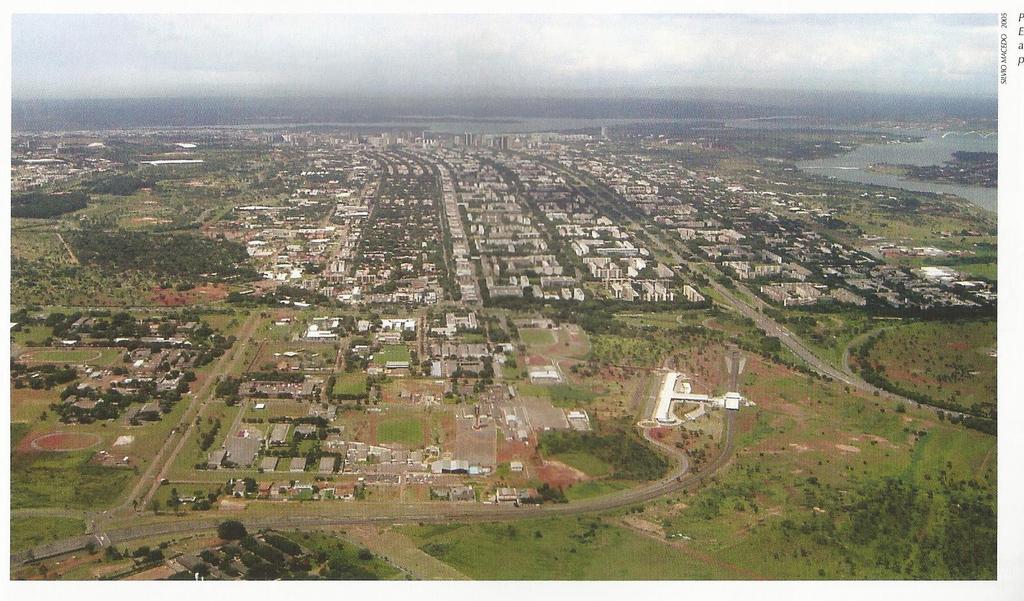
(305,430)
(149,412)
(298,464)
(216,459)
(506,495)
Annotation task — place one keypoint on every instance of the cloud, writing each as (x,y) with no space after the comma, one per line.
(119,55)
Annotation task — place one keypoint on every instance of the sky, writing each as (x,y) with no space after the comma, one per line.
(131,56)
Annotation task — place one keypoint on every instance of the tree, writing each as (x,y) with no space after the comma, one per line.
(231,530)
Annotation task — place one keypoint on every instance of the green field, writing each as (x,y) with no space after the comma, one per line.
(593,488)
(18,431)
(392,352)
(619,452)
(65,480)
(31,334)
(950,363)
(584,462)
(536,336)
(28,532)
(556,549)
(829,485)
(626,350)
(988,271)
(343,560)
(561,395)
(350,384)
(403,430)
(99,356)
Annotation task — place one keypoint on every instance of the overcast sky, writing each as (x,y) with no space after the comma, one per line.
(215,55)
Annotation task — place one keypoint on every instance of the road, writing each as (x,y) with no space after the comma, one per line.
(765,323)
(168,453)
(679,478)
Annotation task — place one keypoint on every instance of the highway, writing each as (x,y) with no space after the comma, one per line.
(292,515)
(765,323)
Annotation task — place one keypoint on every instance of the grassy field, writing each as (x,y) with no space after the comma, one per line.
(556,549)
(350,384)
(536,336)
(65,480)
(584,462)
(99,356)
(827,484)
(192,454)
(827,333)
(31,334)
(392,352)
(624,350)
(561,395)
(948,362)
(403,430)
(28,532)
(594,488)
(344,560)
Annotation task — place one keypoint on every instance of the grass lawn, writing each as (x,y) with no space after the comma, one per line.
(18,431)
(350,384)
(561,395)
(988,271)
(593,488)
(65,480)
(536,336)
(34,334)
(625,350)
(404,430)
(556,549)
(392,352)
(949,362)
(31,531)
(584,462)
(344,560)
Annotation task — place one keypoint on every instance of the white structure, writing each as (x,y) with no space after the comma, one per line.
(668,396)
(545,375)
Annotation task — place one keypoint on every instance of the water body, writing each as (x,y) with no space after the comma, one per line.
(935,148)
(458,125)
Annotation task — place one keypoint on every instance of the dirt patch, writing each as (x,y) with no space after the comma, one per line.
(643,525)
(537,360)
(559,475)
(659,433)
(847,448)
(200,294)
(65,441)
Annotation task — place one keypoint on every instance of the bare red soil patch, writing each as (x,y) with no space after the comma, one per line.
(537,360)
(659,433)
(65,441)
(559,475)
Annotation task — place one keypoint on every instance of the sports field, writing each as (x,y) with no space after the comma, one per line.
(402,430)
(392,352)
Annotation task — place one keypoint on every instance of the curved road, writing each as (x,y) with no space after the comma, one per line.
(679,478)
